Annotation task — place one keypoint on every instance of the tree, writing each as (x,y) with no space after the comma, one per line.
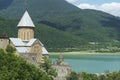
(48,69)
(13,67)
(73,76)
(10,49)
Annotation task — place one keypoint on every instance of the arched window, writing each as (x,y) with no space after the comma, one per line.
(23,36)
(28,35)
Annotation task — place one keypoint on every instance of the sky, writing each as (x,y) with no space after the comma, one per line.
(109,6)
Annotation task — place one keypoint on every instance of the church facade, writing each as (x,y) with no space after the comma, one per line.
(30,48)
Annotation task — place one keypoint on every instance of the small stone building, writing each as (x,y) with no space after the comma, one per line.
(63,69)
(4,41)
(30,48)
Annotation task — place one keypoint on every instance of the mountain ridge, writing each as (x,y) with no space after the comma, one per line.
(87,25)
(42,7)
(53,39)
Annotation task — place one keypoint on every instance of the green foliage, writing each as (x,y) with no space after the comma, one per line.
(56,40)
(89,76)
(10,49)
(48,69)
(49,36)
(15,68)
(73,76)
(1,51)
(8,26)
(86,76)
(88,24)
(113,76)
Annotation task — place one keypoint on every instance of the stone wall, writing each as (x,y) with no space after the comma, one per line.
(30,57)
(3,43)
(25,33)
(37,48)
(63,70)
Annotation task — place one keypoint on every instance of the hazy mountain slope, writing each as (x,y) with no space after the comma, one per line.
(65,20)
(5,3)
(52,38)
(38,8)
(8,26)
(90,25)
(56,39)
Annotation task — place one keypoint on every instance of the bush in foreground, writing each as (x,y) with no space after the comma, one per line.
(15,68)
(89,76)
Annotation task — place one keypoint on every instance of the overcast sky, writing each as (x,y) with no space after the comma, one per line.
(109,6)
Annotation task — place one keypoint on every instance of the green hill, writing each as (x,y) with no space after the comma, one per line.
(42,8)
(74,26)
(91,25)
(53,39)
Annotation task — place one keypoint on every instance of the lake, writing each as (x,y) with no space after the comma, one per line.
(92,63)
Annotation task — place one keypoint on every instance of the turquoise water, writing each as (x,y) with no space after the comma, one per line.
(92,63)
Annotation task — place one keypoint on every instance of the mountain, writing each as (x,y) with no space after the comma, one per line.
(58,17)
(42,8)
(4,4)
(52,38)
(91,25)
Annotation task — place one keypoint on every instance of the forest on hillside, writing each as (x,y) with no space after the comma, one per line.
(57,40)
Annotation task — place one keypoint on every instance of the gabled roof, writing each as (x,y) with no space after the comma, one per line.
(21,49)
(31,42)
(44,51)
(26,21)
(17,42)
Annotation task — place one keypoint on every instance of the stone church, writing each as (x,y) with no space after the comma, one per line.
(30,48)
(63,69)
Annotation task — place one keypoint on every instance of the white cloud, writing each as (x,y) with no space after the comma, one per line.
(86,6)
(71,1)
(112,8)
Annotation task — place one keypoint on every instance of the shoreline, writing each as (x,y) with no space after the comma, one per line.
(83,52)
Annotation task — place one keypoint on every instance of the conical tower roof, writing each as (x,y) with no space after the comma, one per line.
(26,21)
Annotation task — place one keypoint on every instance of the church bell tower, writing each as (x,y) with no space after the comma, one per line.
(26,27)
